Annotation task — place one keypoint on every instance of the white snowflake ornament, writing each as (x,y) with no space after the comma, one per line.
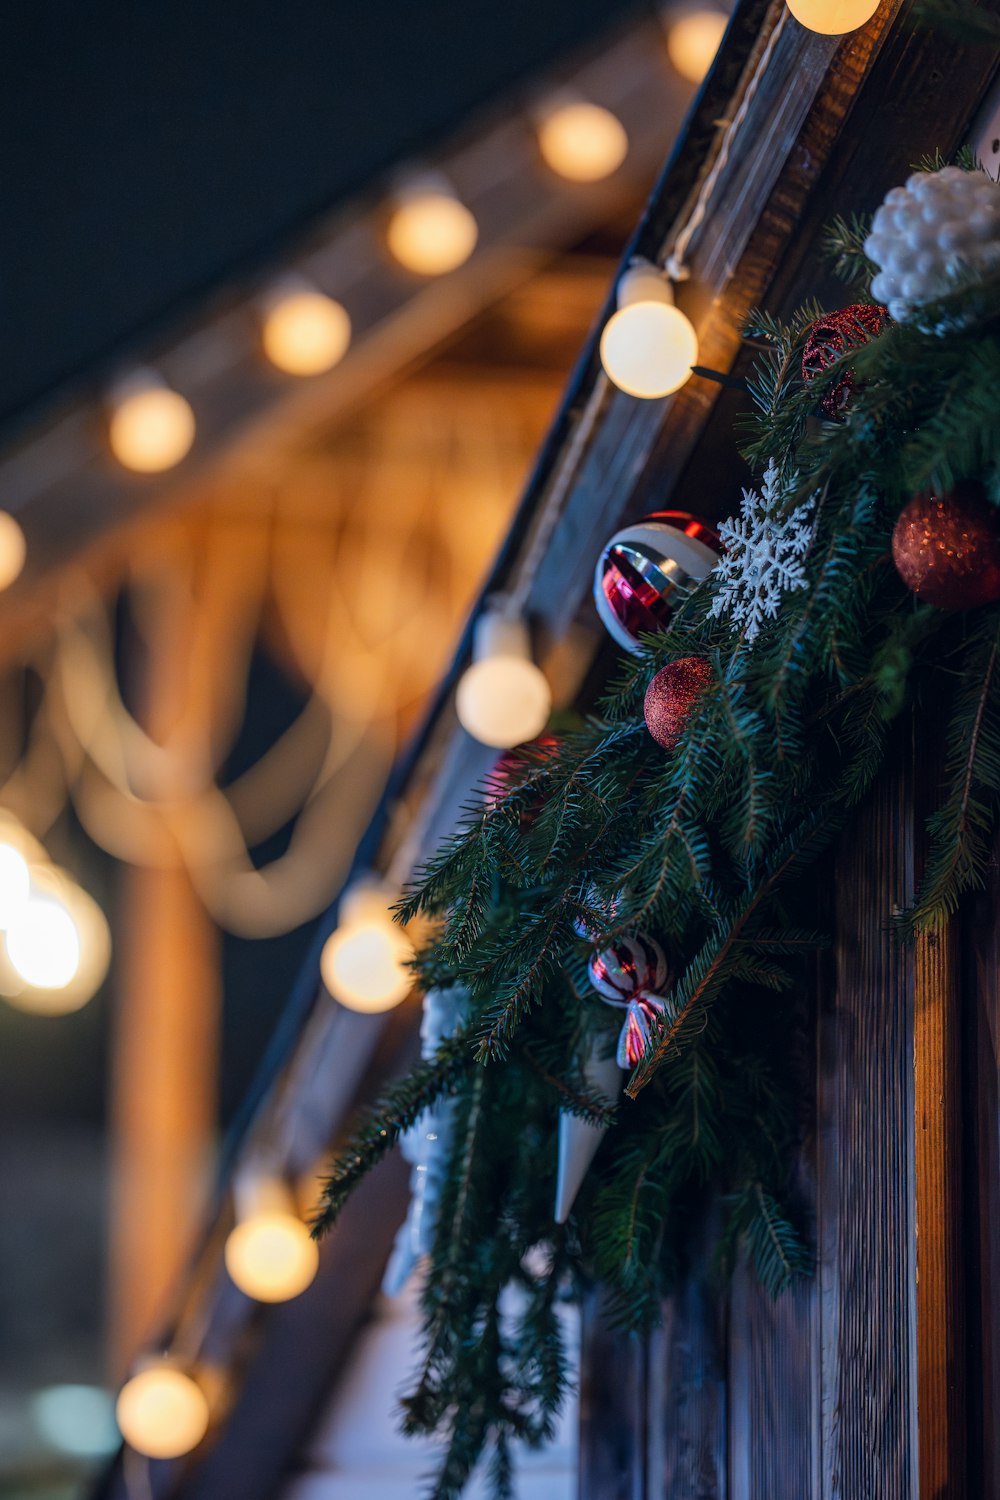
(927,232)
(764,556)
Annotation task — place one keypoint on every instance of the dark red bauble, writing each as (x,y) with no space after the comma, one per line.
(947,547)
(833,336)
(671,696)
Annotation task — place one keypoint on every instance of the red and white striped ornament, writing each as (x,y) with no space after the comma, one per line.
(631,965)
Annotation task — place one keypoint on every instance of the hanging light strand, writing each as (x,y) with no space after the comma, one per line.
(675,264)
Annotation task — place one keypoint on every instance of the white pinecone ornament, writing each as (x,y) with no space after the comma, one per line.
(928,233)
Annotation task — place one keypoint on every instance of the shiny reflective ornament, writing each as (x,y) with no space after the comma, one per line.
(430,231)
(630,973)
(630,965)
(693,39)
(946,548)
(833,17)
(269,1253)
(648,346)
(645,569)
(581,141)
(151,427)
(364,962)
(672,695)
(304,332)
(162,1412)
(503,699)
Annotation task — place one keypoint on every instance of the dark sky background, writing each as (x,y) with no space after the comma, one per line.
(154,148)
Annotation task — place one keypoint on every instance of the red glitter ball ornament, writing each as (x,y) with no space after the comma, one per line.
(833,336)
(671,696)
(947,547)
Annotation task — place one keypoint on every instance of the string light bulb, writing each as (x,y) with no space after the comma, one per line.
(832,17)
(648,346)
(364,962)
(503,698)
(162,1412)
(269,1253)
(15,883)
(303,331)
(13,549)
(151,427)
(581,141)
(693,38)
(56,947)
(430,231)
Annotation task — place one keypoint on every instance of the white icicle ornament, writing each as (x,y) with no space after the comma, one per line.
(927,233)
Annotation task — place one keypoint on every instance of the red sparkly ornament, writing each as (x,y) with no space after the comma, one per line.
(671,696)
(833,336)
(947,547)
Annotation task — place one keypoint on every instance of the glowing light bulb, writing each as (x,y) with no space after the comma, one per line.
(270,1253)
(43,944)
(304,331)
(430,231)
(581,141)
(503,698)
(832,17)
(162,1412)
(363,963)
(13,550)
(15,883)
(151,427)
(57,946)
(693,40)
(648,346)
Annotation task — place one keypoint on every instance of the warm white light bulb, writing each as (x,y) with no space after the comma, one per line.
(15,883)
(151,427)
(364,962)
(162,1412)
(693,40)
(271,1256)
(503,698)
(431,231)
(13,550)
(43,944)
(304,331)
(649,345)
(581,141)
(833,17)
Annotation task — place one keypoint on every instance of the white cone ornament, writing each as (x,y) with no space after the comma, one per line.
(645,569)
(628,974)
(579,1138)
(425,1146)
(929,234)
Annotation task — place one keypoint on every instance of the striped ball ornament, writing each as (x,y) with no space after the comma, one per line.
(627,968)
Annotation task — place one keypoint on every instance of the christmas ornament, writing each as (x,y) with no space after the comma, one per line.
(628,966)
(926,234)
(579,1138)
(947,547)
(833,336)
(641,569)
(425,1146)
(764,556)
(671,695)
(628,974)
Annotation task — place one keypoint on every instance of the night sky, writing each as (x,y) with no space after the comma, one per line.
(154,149)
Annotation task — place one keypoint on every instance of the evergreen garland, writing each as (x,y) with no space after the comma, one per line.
(702,848)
